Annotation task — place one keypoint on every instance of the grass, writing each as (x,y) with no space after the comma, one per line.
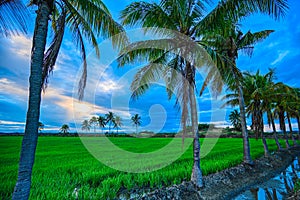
(63,164)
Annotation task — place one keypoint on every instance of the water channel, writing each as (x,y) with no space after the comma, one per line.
(276,188)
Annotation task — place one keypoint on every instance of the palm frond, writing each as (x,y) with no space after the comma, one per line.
(144,78)
(52,52)
(13,17)
(147,15)
(100,20)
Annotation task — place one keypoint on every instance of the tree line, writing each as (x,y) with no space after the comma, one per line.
(110,119)
(263,95)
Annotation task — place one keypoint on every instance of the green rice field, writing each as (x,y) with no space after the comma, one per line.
(63,164)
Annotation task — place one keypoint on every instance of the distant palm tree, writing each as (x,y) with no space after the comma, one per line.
(109,119)
(136,120)
(101,122)
(64,129)
(94,122)
(86,125)
(117,122)
(14,16)
(41,126)
(235,120)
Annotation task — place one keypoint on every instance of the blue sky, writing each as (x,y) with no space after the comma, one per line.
(108,86)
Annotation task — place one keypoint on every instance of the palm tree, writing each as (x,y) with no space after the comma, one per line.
(136,120)
(14,16)
(41,127)
(185,17)
(235,120)
(110,116)
(227,43)
(101,122)
(86,125)
(82,17)
(258,91)
(64,129)
(94,122)
(117,122)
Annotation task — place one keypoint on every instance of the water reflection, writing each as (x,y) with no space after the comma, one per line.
(276,188)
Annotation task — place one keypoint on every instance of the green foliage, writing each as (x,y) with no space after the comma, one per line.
(63,164)
(235,120)
(297,185)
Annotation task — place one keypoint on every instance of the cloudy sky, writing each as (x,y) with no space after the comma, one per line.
(108,87)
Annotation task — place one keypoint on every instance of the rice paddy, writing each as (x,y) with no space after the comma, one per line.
(63,164)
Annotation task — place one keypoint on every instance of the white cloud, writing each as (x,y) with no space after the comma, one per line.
(10,88)
(280,57)
(3,122)
(270,129)
(20,45)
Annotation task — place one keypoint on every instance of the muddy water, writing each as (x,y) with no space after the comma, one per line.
(276,188)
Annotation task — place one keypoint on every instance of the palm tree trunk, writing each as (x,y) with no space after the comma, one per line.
(254,192)
(275,194)
(282,127)
(246,145)
(274,131)
(196,177)
(291,129)
(261,125)
(289,121)
(298,121)
(184,114)
(22,187)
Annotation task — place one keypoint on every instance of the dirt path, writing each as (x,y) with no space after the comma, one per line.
(230,182)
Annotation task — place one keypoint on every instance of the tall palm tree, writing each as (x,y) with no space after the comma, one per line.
(101,122)
(86,125)
(13,17)
(117,122)
(227,43)
(136,120)
(94,122)
(235,120)
(82,17)
(110,116)
(187,18)
(64,129)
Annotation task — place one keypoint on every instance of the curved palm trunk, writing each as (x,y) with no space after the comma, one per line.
(254,192)
(259,125)
(291,128)
(22,188)
(298,121)
(274,130)
(282,127)
(275,194)
(266,149)
(246,145)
